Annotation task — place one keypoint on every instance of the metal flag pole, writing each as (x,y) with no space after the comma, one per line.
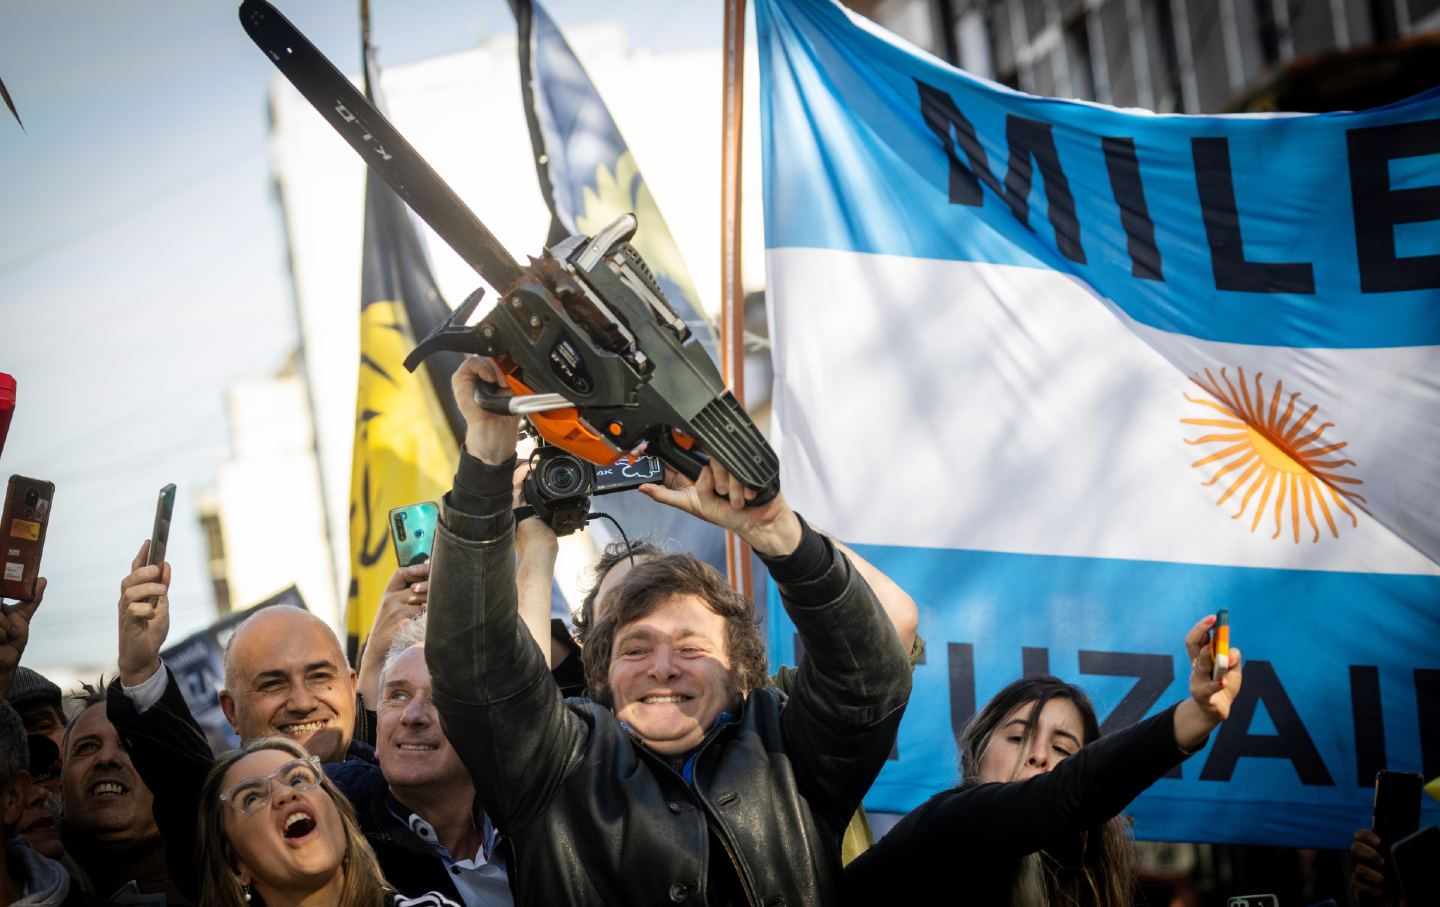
(732,295)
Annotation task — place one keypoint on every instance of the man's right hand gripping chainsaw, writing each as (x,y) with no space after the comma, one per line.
(598,360)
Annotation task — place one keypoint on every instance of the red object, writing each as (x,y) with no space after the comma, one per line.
(7,405)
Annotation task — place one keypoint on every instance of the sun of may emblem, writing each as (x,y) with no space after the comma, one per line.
(1282,459)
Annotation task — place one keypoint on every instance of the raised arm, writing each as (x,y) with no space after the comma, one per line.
(150,715)
(536,549)
(404,598)
(497,702)
(1012,819)
(899,607)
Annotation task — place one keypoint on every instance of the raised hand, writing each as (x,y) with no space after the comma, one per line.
(1368,878)
(719,498)
(144,613)
(1213,696)
(404,598)
(15,633)
(1210,700)
(489,437)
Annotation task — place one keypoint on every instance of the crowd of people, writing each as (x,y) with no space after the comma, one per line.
(475,756)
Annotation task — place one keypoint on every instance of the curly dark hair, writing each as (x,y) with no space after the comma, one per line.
(610,555)
(654,582)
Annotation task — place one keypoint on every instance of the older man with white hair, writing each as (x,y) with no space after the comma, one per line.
(418,807)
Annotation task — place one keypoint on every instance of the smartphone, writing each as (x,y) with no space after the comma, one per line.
(1413,859)
(1396,814)
(22,532)
(1220,644)
(160,531)
(412,529)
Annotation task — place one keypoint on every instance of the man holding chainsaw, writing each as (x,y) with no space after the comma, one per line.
(690,779)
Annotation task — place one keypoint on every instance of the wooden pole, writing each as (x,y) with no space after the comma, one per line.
(732,295)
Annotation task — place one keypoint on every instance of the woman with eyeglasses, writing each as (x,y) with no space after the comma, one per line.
(275,831)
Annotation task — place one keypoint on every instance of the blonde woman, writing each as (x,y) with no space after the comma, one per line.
(274,831)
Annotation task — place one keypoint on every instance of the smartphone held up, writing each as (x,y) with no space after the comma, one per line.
(160,529)
(1220,644)
(412,530)
(22,531)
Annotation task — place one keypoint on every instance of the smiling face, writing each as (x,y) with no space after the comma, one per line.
(286,676)
(291,844)
(1058,734)
(670,674)
(104,797)
(415,757)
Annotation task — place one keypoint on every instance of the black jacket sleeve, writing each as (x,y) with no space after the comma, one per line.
(994,822)
(852,685)
(498,704)
(172,757)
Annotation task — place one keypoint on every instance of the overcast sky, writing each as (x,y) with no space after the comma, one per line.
(142,262)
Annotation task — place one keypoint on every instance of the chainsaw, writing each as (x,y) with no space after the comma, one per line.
(593,354)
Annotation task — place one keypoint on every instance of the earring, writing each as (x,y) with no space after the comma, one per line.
(246,889)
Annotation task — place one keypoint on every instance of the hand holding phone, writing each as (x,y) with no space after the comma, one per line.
(1220,644)
(1396,815)
(144,617)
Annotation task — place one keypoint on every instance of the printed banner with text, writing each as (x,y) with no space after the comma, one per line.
(1078,376)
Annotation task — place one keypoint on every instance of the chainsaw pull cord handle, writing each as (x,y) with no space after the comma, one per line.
(489,398)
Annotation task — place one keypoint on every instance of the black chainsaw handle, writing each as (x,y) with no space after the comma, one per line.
(689,463)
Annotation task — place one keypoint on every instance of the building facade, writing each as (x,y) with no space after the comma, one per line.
(1170,56)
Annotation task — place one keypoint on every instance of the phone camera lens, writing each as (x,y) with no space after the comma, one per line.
(32,497)
(400,516)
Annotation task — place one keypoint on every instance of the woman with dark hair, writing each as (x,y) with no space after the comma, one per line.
(1036,819)
(275,831)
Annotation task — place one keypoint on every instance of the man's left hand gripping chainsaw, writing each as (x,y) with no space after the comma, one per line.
(598,360)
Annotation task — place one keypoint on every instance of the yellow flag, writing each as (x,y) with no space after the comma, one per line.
(405,452)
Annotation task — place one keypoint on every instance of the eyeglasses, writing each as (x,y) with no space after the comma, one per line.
(253,793)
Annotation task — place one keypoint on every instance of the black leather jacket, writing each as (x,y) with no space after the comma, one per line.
(591,814)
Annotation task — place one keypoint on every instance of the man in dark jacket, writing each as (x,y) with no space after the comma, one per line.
(694,781)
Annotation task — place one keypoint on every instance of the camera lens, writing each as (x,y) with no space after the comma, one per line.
(32,497)
(564,478)
(400,516)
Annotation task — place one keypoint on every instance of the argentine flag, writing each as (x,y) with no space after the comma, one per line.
(1078,376)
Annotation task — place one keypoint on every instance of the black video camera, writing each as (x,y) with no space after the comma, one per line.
(559,485)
